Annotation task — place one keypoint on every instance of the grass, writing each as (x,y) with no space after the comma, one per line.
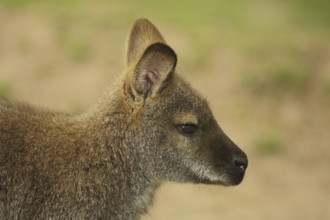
(269,144)
(194,13)
(6,89)
(19,4)
(326,86)
(276,82)
(311,12)
(288,78)
(79,51)
(260,27)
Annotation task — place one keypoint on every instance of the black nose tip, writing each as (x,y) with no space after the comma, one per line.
(241,162)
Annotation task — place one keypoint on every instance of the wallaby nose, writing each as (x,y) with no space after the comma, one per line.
(241,162)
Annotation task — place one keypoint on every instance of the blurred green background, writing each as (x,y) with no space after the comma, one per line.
(264,66)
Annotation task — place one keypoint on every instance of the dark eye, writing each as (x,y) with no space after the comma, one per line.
(187,129)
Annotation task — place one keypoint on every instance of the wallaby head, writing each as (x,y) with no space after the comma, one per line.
(174,128)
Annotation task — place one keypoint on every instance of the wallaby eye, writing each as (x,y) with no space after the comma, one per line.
(187,129)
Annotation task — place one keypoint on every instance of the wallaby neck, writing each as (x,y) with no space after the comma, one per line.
(108,127)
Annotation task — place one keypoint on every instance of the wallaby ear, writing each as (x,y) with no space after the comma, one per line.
(143,34)
(154,70)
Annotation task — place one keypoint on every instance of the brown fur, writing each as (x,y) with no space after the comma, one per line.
(106,163)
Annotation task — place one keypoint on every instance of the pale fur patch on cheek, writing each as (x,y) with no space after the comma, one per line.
(202,168)
(206,172)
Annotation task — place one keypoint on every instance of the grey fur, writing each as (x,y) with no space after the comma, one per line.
(107,162)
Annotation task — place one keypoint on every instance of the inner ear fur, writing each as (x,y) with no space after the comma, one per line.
(154,70)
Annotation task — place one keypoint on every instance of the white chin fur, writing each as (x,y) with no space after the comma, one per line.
(207,173)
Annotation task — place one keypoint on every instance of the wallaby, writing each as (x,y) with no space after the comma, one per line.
(107,162)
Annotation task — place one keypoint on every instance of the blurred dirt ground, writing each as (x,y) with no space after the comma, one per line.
(264,69)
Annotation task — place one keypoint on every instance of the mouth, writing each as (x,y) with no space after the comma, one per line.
(226,177)
(236,177)
(226,173)
(230,179)
(231,175)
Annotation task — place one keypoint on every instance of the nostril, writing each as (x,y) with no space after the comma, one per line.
(241,163)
